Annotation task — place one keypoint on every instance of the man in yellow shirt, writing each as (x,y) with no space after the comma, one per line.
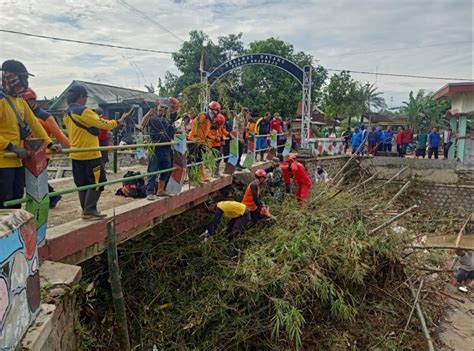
(238,214)
(18,123)
(83,126)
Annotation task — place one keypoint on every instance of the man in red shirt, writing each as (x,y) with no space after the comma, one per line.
(103,137)
(301,178)
(406,139)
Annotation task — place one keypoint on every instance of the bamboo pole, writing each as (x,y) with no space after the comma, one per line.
(363,183)
(393,219)
(116,287)
(413,307)
(400,192)
(419,311)
(345,166)
(439,248)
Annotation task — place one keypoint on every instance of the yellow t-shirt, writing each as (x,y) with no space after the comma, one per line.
(10,130)
(231,209)
(81,138)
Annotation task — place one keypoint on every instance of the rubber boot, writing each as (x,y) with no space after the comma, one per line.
(90,207)
(82,198)
(203,177)
(161,188)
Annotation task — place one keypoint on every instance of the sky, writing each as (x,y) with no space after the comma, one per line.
(415,37)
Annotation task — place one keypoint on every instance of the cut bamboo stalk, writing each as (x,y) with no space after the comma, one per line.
(400,192)
(363,183)
(419,311)
(458,299)
(414,306)
(116,287)
(396,175)
(439,247)
(345,166)
(393,219)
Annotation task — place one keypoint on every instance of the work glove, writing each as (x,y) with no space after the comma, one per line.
(19,151)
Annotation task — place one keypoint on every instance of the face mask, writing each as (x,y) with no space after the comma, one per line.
(13,83)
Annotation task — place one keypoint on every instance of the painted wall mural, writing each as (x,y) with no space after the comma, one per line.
(19,276)
(327,146)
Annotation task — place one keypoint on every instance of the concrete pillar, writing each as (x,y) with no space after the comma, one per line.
(453,123)
(19,276)
(36,177)
(461,133)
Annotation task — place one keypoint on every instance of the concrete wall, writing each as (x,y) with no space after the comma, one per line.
(332,164)
(19,276)
(55,326)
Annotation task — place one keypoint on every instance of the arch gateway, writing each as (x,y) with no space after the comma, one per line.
(302,75)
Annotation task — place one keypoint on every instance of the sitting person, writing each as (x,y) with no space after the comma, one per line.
(238,214)
(251,197)
(465,271)
(321,176)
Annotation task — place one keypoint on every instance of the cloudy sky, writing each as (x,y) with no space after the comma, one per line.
(418,37)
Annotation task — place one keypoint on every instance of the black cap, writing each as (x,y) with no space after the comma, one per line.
(15,67)
(78,89)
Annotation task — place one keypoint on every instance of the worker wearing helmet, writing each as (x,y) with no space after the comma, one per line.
(251,197)
(276,181)
(51,127)
(216,138)
(239,217)
(18,124)
(300,177)
(200,129)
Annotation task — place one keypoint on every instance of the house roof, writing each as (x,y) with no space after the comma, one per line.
(453,88)
(385,119)
(108,94)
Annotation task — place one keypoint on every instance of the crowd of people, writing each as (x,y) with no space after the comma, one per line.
(404,141)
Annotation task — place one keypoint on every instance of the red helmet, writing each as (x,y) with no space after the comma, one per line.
(29,94)
(220,119)
(260,173)
(174,104)
(214,105)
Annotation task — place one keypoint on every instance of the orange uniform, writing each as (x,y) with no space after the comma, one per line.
(250,128)
(251,197)
(200,128)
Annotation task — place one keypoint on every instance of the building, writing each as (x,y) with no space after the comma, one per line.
(112,99)
(461,96)
(384,121)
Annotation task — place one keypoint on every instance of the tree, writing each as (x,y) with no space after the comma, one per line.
(423,111)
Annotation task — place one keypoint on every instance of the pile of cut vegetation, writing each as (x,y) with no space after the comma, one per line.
(314,279)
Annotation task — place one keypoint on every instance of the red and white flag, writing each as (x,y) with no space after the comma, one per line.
(201,63)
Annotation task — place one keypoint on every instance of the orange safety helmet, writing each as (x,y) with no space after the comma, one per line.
(214,105)
(29,94)
(220,119)
(260,173)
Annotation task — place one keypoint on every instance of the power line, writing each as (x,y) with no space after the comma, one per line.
(84,42)
(171,52)
(398,49)
(397,75)
(144,15)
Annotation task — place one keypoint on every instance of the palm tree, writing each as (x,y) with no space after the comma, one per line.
(423,111)
(370,99)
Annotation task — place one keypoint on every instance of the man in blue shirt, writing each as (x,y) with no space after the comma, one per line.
(434,139)
(356,140)
(380,139)
(387,140)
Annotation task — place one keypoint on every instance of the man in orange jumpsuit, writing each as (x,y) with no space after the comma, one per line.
(51,127)
(300,177)
(200,129)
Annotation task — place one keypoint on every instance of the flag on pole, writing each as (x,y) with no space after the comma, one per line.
(201,63)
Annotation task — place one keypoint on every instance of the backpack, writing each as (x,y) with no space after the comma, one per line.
(135,188)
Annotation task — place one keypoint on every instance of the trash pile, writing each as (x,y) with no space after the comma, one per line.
(331,275)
